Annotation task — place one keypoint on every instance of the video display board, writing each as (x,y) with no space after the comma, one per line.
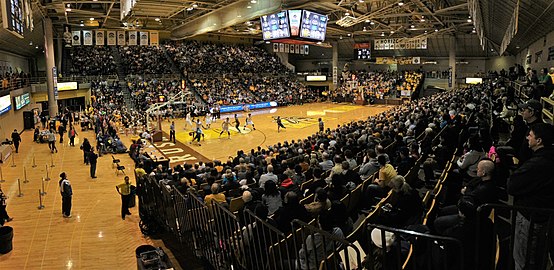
(12,16)
(5,104)
(21,101)
(313,25)
(294,18)
(275,26)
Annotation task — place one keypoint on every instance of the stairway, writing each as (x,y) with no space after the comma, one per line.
(129,102)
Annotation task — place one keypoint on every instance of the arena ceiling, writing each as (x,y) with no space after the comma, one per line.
(350,21)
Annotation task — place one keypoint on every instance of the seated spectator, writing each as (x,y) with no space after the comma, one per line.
(272,197)
(291,210)
(320,203)
(317,246)
(215,195)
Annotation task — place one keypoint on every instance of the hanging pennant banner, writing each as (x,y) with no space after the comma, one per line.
(76,38)
(111,38)
(132,37)
(87,38)
(121,38)
(144,38)
(100,37)
(154,38)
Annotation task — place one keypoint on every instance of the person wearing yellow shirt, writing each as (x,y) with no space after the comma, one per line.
(216,196)
(380,186)
(139,171)
(124,189)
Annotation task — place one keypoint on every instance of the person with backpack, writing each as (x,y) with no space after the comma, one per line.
(72,133)
(67,194)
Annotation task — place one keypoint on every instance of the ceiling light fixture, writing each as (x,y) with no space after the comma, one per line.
(81,24)
(157,19)
(36,47)
(92,19)
(190,8)
(31,43)
(469,20)
(422,20)
(348,34)
(372,23)
(239,16)
(68,9)
(365,29)
(347,14)
(361,1)
(340,37)
(253,1)
(249,6)
(267,42)
(367,21)
(517,47)
(436,30)
(412,26)
(194,5)
(383,34)
(400,3)
(392,32)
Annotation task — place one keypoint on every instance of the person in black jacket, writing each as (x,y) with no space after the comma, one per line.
(16,139)
(86,148)
(291,210)
(532,185)
(92,158)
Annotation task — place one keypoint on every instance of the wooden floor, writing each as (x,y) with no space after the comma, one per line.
(96,237)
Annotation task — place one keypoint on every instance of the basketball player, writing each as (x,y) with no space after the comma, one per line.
(208,120)
(188,120)
(237,123)
(321,125)
(225,127)
(248,121)
(279,124)
(197,133)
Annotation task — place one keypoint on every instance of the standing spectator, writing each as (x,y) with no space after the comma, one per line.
(67,194)
(61,131)
(4,217)
(124,189)
(52,140)
(92,158)
(531,111)
(16,139)
(86,148)
(531,185)
(72,133)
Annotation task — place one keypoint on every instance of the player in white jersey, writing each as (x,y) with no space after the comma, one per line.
(249,121)
(208,120)
(188,121)
(225,127)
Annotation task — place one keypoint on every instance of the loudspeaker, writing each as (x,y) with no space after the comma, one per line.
(28,120)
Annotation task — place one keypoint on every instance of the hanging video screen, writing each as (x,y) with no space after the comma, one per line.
(12,19)
(313,26)
(275,26)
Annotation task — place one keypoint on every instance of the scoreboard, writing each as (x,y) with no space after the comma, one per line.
(12,16)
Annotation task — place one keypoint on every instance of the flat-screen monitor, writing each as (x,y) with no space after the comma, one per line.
(275,26)
(313,25)
(474,80)
(63,86)
(295,17)
(12,16)
(363,54)
(21,101)
(5,104)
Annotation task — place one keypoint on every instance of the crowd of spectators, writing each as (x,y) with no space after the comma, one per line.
(92,61)
(376,85)
(232,91)
(13,80)
(144,60)
(147,92)
(211,58)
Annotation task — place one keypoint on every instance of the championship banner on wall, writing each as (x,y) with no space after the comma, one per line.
(132,37)
(111,38)
(275,47)
(100,37)
(154,38)
(121,38)
(76,38)
(144,38)
(400,44)
(87,38)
